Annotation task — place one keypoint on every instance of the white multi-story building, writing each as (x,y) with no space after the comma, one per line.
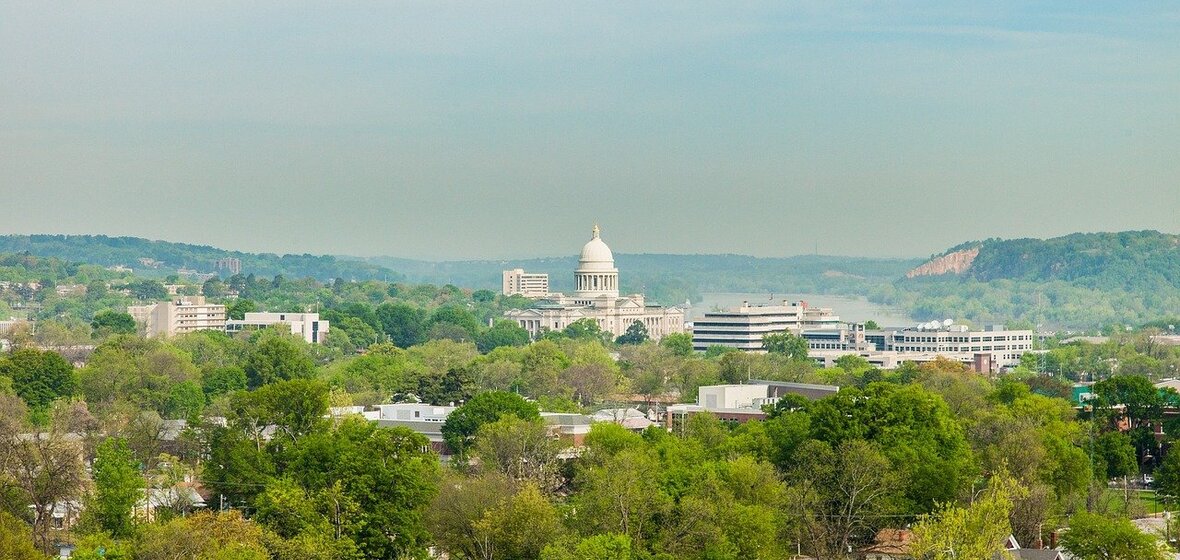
(307,325)
(181,315)
(596,297)
(517,282)
(743,327)
(1004,346)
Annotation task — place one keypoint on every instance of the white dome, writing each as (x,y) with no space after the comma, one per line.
(596,255)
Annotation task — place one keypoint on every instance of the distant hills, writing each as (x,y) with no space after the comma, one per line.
(167,257)
(674,278)
(1130,260)
(1082,280)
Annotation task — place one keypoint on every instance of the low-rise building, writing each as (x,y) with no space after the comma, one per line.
(742,403)
(309,326)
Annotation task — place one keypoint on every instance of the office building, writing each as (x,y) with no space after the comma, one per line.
(517,282)
(309,326)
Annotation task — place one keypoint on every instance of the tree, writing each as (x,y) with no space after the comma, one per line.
(118,488)
(16,540)
(975,531)
(239,308)
(1094,537)
(388,475)
(461,426)
(584,329)
(610,546)
(521,450)
(786,344)
(278,357)
(461,502)
(458,316)
(522,526)
(913,427)
(636,334)
(841,493)
(590,382)
(39,377)
(108,322)
(502,333)
(680,344)
(621,495)
(872,325)
(404,324)
(44,464)
(1167,475)
(215,536)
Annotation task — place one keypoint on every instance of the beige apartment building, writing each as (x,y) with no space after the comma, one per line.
(527,284)
(180,315)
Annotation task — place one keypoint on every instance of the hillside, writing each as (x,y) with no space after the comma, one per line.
(1077,280)
(1131,260)
(169,257)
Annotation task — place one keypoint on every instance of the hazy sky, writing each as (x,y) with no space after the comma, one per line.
(507,129)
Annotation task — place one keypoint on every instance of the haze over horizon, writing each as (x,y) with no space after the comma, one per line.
(449,131)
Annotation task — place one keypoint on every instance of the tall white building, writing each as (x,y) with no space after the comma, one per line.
(527,284)
(181,315)
(596,297)
(307,325)
(743,327)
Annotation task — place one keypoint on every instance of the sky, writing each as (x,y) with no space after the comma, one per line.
(488,130)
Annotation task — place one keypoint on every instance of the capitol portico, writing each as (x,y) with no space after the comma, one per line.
(596,296)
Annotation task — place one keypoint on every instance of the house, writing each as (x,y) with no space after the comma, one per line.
(631,418)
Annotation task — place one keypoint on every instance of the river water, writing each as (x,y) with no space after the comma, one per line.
(848,308)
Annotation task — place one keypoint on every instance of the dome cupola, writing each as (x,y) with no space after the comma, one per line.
(596,274)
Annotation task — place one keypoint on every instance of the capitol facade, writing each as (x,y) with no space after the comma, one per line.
(596,297)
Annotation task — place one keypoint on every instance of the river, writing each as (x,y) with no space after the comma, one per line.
(848,308)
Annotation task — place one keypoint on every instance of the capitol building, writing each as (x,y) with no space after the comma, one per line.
(596,296)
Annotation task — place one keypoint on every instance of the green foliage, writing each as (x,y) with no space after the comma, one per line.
(238,308)
(975,531)
(502,333)
(1094,537)
(786,344)
(108,322)
(16,540)
(385,481)
(1167,475)
(204,535)
(636,334)
(404,324)
(118,488)
(277,357)
(680,344)
(913,427)
(461,426)
(126,370)
(610,546)
(39,377)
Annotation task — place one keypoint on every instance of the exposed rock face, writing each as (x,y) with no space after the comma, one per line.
(951,263)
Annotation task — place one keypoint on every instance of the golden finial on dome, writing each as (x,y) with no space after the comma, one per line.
(595,231)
